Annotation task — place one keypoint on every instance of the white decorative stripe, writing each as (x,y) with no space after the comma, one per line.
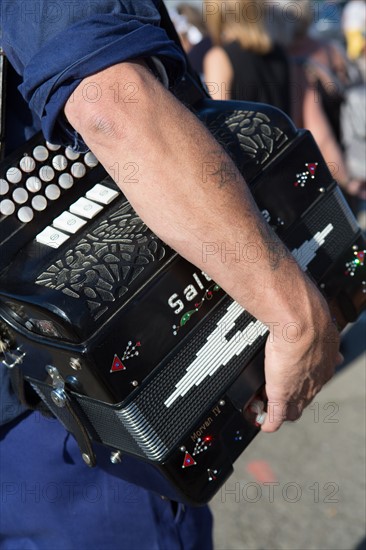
(218,351)
(307,251)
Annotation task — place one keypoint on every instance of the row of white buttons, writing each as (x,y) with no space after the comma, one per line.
(70,222)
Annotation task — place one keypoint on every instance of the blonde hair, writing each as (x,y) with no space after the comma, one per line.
(240,20)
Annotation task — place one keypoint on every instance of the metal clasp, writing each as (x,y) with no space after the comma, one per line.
(58,395)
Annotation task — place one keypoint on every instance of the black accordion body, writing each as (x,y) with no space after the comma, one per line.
(134,349)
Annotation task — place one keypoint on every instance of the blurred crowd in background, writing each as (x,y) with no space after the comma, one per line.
(305,57)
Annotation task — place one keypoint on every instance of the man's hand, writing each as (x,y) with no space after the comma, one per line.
(299,360)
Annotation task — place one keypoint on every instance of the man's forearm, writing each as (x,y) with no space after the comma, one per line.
(184,186)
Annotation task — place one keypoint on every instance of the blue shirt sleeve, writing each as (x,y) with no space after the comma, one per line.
(53,45)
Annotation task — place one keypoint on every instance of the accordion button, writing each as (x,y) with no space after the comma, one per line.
(13,175)
(66,181)
(33,184)
(91,160)
(46,173)
(40,153)
(68,222)
(84,207)
(39,203)
(53,146)
(78,170)
(20,195)
(4,187)
(7,207)
(59,162)
(51,237)
(52,192)
(102,194)
(27,164)
(71,155)
(25,214)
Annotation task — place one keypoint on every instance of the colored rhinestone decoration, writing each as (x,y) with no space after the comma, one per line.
(302,177)
(356,262)
(130,351)
(202,445)
(208,295)
(212,474)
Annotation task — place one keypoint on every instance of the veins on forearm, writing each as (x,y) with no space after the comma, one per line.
(276,250)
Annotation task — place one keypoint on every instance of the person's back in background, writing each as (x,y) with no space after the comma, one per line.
(245,64)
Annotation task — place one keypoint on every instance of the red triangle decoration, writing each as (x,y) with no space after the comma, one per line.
(312,166)
(188,461)
(117,364)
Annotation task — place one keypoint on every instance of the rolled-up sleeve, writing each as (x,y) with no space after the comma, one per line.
(53,45)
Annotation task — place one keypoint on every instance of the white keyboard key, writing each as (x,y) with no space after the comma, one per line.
(25,214)
(4,187)
(39,203)
(40,153)
(7,207)
(71,155)
(46,173)
(90,159)
(102,194)
(52,146)
(27,164)
(86,208)
(66,181)
(68,222)
(13,175)
(59,162)
(52,192)
(78,170)
(33,184)
(51,237)
(20,195)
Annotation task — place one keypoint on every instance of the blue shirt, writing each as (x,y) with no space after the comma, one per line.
(53,45)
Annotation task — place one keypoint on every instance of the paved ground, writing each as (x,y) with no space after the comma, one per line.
(303,488)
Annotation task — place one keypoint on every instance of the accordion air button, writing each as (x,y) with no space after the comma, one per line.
(51,237)
(4,187)
(91,160)
(66,181)
(52,192)
(39,203)
(27,164)
(59,162)
(7,207)
(102,194)
(78,170)
(40,153)
(13,175)
(71,155)
(46,173)
(68,222)
(53,146)
(20,195)
(84,207)
(25,214)
(33,184)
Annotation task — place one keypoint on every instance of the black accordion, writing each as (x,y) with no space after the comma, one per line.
(131,347)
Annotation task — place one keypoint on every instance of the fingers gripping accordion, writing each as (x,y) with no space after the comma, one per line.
(129,345)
